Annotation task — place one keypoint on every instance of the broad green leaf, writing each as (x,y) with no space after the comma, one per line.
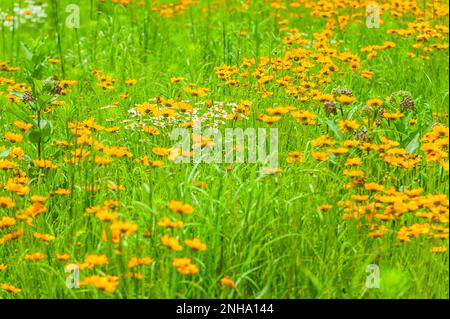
(414,144)
(5,153)
(333,126)
(28,53)
(34,136)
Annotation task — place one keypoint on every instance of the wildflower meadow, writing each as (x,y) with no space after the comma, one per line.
(224,149)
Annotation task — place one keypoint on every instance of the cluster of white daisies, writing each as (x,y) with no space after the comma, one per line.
(212,116)
(28,12)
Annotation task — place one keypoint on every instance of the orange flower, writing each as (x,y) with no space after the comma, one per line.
(105,283)
(13,138)
(167,222)
(10,288)
(44,237)
(44,164)
(127,228)
(226,281)
(171,243)
(135,261)
(320,156)
(180,207)
(348,125)
(185,266)
(62,257)
(6,202)
(23,126)
(35,256)
(7,222)
(195,244)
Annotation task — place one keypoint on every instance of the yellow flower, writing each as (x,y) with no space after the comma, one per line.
(151,130)
(13,138)
(44,237)
(353,161)
(130,82)
(195,244)
(180,207)
(226,281)
(23,126)
(7,222)
(439,249)
(176,79)
(294,157)
(360,198)
(185,266)
(171,243)
(10,288)
(6,202)
(14,235)
(61,192)
(350,143)
(62,257)
(337,151)
(94,260)
(320,156)
(38,199)
(16,152)
(54,61)
(374,102)
(353,173)
(268,119)
(393,116)
(44,164)
(345,99)
(167,222)
(322,141)
(379,232)
(367,74)
(35,256)
(160,151)
(135,261)
(105,283)
(127,228)
(325,207)
(348,125)
(6,164)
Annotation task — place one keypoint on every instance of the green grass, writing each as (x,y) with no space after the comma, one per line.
(266,232)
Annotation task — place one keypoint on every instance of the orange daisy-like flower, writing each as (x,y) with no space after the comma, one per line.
(226,281)
(180,207)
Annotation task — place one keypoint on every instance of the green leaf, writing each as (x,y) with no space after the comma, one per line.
(35,136)
(38,86)
(352,112)
(47,130)
(18,94)
(5,153)
(414,144)
(333,126)
(28,54)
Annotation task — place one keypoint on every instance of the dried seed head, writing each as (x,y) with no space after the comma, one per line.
(367,110)
(361,135)
(58,89)
(347,92)
(408,103)
(330,107)
(27,97)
